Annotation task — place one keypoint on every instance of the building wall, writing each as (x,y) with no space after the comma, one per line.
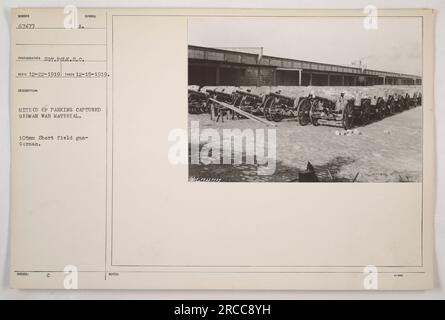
(225,73)
(247,76)
(258,76)
(287,78)
(267,77)
(202,75)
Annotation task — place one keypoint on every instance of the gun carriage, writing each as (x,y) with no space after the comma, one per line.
(221,96)
(197,101)
(419,99)
(411,102)
(277,107)
(372,108)
(326,111)
(248,102)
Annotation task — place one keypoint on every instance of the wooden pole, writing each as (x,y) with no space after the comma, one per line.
(244,113)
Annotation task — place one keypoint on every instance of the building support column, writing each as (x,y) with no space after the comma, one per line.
(217,78)
(299,77)
(258,78)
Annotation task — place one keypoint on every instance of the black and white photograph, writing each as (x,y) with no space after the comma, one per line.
(317,124)
(305,99)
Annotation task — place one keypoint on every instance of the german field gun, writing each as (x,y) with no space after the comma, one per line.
(325,111)
(395,103)
(248,102)
(419,99)
(215,109)
(220,96)
(276,107)
(197,101)
(411,102)
(403,102)
(372,108)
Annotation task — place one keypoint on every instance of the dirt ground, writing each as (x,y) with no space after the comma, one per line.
(389,150)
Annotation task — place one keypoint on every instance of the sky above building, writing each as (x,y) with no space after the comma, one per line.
(396,44)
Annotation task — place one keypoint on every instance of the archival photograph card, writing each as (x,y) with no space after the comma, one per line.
(222,149)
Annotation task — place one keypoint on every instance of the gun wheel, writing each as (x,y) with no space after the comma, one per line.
(303,112)
(277,117)
(347,117)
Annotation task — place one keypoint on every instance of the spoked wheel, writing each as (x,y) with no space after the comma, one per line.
(314,121)
(402,104)
(348,117)
(381,106)
(398,106)
(419,101)
(266,108)
(366,118)
(267,114)
(303,112)
(392,107)
(277,116)
(366,115)
(380,115)
(203,107)
(408,103)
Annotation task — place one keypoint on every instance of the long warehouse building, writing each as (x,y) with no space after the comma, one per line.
(213,67)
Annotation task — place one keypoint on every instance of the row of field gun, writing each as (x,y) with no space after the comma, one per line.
(315,109)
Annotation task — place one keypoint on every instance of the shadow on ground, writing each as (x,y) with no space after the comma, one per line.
(327,172)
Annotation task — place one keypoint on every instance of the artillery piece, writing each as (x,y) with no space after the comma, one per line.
(220,96)
(411,102)
(248,102)
(391,105)
(398,101)
(419,98)
(197,101)
(277,107)
(372,108)
(326,111)
(403,102)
